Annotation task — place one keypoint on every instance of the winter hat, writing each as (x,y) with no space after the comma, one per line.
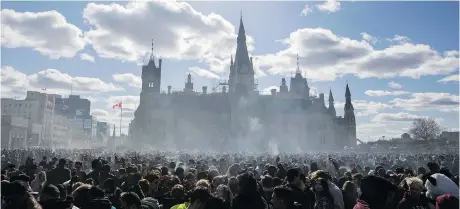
(446,201)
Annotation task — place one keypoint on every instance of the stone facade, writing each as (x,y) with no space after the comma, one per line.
(239,119)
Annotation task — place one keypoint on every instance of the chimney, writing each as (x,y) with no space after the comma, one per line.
(205,89)
(169,89)
(273,92)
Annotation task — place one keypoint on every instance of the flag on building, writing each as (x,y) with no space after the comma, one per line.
(117,105)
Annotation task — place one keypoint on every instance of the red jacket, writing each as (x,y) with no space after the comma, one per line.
(361,205)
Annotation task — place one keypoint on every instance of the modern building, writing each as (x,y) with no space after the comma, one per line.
(73,107)
(238,118)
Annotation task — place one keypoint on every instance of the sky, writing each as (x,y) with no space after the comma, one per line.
(400,59)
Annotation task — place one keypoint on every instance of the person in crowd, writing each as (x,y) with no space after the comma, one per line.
(96,169)
(39,182)
(225,194)
(323,197)
(335,192)
(413,196)
(18,195)
(77,171)
(50,199)
(283,198)
(297,186)
(447,201)
(373,198)
(130,200)
(248,196)
(350,194)
(60,174)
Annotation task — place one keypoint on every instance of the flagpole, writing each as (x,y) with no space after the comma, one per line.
(121,114)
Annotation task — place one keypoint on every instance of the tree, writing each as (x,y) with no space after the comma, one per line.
(424,128)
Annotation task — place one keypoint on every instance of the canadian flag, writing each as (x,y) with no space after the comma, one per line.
(117,105)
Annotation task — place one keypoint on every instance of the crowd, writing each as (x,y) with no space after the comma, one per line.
(95,179)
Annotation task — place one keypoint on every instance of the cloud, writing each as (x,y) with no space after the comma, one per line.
(329,6)
(451,78)
(364,108)
(443,102)
(128,78)
(399,117)
(394,85)
(203,73)
(99,113)
(48,33)
(267,90)
(325,56)
(86,57)
(15,83)
(306,10)
(180,32)
(367,37)
(379,93)
(397,39)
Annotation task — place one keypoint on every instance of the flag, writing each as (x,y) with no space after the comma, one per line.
(117,105)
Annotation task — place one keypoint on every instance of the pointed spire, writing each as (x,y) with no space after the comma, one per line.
(189,78)
(152,55)
(298,67)
(241,31)
(347,91)
(331,98)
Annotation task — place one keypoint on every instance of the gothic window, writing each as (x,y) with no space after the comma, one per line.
(150,84)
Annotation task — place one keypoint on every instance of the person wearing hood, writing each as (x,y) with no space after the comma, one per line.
(377,193)
(49,199)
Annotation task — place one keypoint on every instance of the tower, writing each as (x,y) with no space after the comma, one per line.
(349,117)
(151,75)
(241,79)
(283,87)
(189,84)
(331,107)
(299,85)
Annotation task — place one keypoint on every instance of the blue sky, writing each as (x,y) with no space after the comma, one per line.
(413,44)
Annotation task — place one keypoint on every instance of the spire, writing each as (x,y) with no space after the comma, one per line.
(298,68)
(189,78)
(347,92)
(241,31)
(331,98)
(113,135)
(348,105)
(231,60)
(152,56)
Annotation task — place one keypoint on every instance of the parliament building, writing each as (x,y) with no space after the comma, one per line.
(237,117)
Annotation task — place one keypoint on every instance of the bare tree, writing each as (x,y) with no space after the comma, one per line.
(424,128)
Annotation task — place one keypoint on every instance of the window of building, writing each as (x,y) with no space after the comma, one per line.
(150,84)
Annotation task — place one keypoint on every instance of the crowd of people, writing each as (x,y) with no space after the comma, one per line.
(96,179)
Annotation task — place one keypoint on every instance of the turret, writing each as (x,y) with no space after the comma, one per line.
(283,87)
(151,75)
(169,89)
(331,107)
(188,85)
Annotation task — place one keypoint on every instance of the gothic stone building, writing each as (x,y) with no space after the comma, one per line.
(238,118)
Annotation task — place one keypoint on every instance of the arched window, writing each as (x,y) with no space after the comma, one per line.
(150,84)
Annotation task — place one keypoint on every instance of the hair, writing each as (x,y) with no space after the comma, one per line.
(284,193)
(292,174)
(414,183)
(203,183)
(152,176)
(177,191)
(320,174)
(228,193)
(323,183)
(218,180)
(349,187)
(131,198)
(76,185)
(233,185)
(214,202)
(144,184)
(201,194)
